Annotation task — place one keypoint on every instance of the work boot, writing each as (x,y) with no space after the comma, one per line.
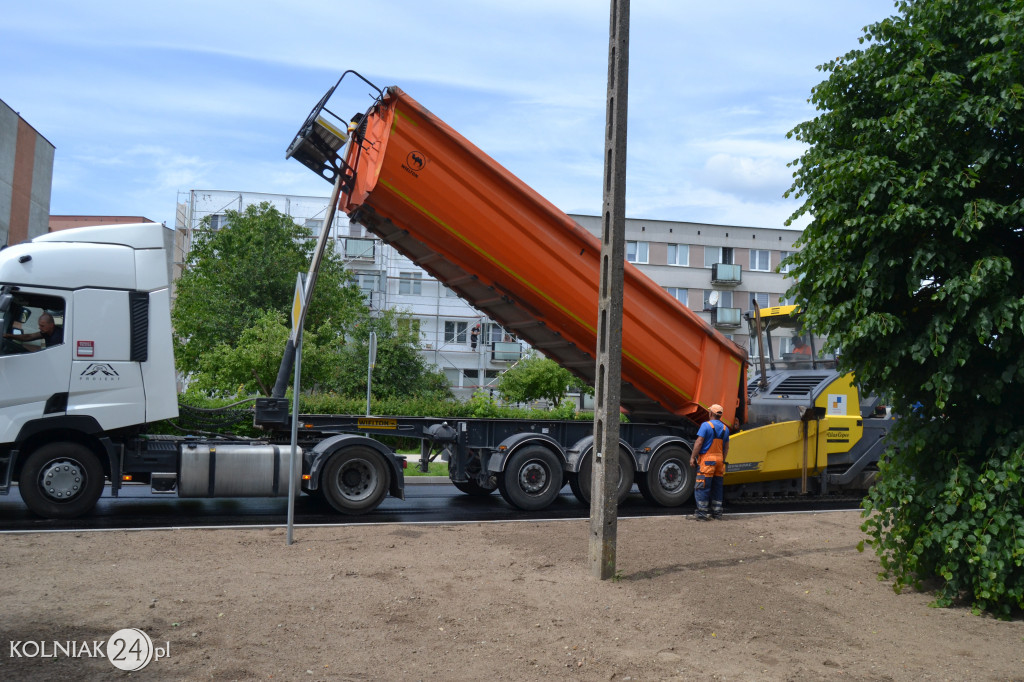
(700,517)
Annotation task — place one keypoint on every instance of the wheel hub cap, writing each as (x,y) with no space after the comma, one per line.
(357,479)
(532,477)
(62,480)
(671,476)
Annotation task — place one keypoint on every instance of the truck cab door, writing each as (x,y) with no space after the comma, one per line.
(106,383)
(34,377)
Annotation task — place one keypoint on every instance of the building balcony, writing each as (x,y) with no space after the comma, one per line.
(726,274)
(506,351)
(726,317)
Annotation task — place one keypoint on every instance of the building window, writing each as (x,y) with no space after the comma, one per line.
(218,220)
(714,254)
(470,377)
(495,334)
(367,283)
(455,332)
(410,283)
(678,293)
(760,260)
(314,226)
(636,252)
(358,248)
(784,268)
(724,299)
(761,298)
(678,254)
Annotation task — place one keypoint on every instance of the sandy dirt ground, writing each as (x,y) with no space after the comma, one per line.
(747,598)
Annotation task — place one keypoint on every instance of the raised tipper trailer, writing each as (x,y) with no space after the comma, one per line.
(75,409)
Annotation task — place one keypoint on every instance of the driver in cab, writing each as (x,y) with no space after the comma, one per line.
(800,347)
(49,333)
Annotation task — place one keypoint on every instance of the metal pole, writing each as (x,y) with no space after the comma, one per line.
(281,384)
(371,363)
(608,383)
(763,382)
(293,460)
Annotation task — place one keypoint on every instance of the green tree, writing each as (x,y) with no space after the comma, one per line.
(913,266)
(537,378)
(399,371)
(232,317)
(250,364)
(234,275)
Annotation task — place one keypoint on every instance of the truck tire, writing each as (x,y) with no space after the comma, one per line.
(581,482)
(355,480)
(669,480)
(531,479)
(61,480)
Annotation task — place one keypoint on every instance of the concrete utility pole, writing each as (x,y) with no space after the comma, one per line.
(604,512)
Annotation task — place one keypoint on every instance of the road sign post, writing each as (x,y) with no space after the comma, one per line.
(298,308)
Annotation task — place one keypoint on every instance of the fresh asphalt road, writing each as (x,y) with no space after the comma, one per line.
(432,501)
(429,501)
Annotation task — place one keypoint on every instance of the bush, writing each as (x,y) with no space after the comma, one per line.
(953,516)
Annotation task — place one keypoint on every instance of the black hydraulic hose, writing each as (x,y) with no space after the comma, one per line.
(284,372)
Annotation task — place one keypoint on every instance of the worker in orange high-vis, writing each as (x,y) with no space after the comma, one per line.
(800,347)
(709,453)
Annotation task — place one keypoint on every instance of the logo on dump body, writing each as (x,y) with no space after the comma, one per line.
(415,162)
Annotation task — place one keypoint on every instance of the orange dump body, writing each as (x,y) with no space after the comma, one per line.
(458,214)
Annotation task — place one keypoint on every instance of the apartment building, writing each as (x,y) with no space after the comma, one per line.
(697,263)
(26,176)
(690,260)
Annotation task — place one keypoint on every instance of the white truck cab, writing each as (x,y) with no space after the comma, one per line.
(108,364)
(87,363)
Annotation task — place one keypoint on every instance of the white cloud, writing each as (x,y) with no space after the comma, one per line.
(739,174)
(143,101)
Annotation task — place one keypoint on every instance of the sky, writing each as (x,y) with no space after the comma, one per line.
(146,101)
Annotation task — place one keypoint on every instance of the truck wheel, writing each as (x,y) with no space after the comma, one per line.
(581,482)
(61,480)
(532,478)
(669,479)
(355,480)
